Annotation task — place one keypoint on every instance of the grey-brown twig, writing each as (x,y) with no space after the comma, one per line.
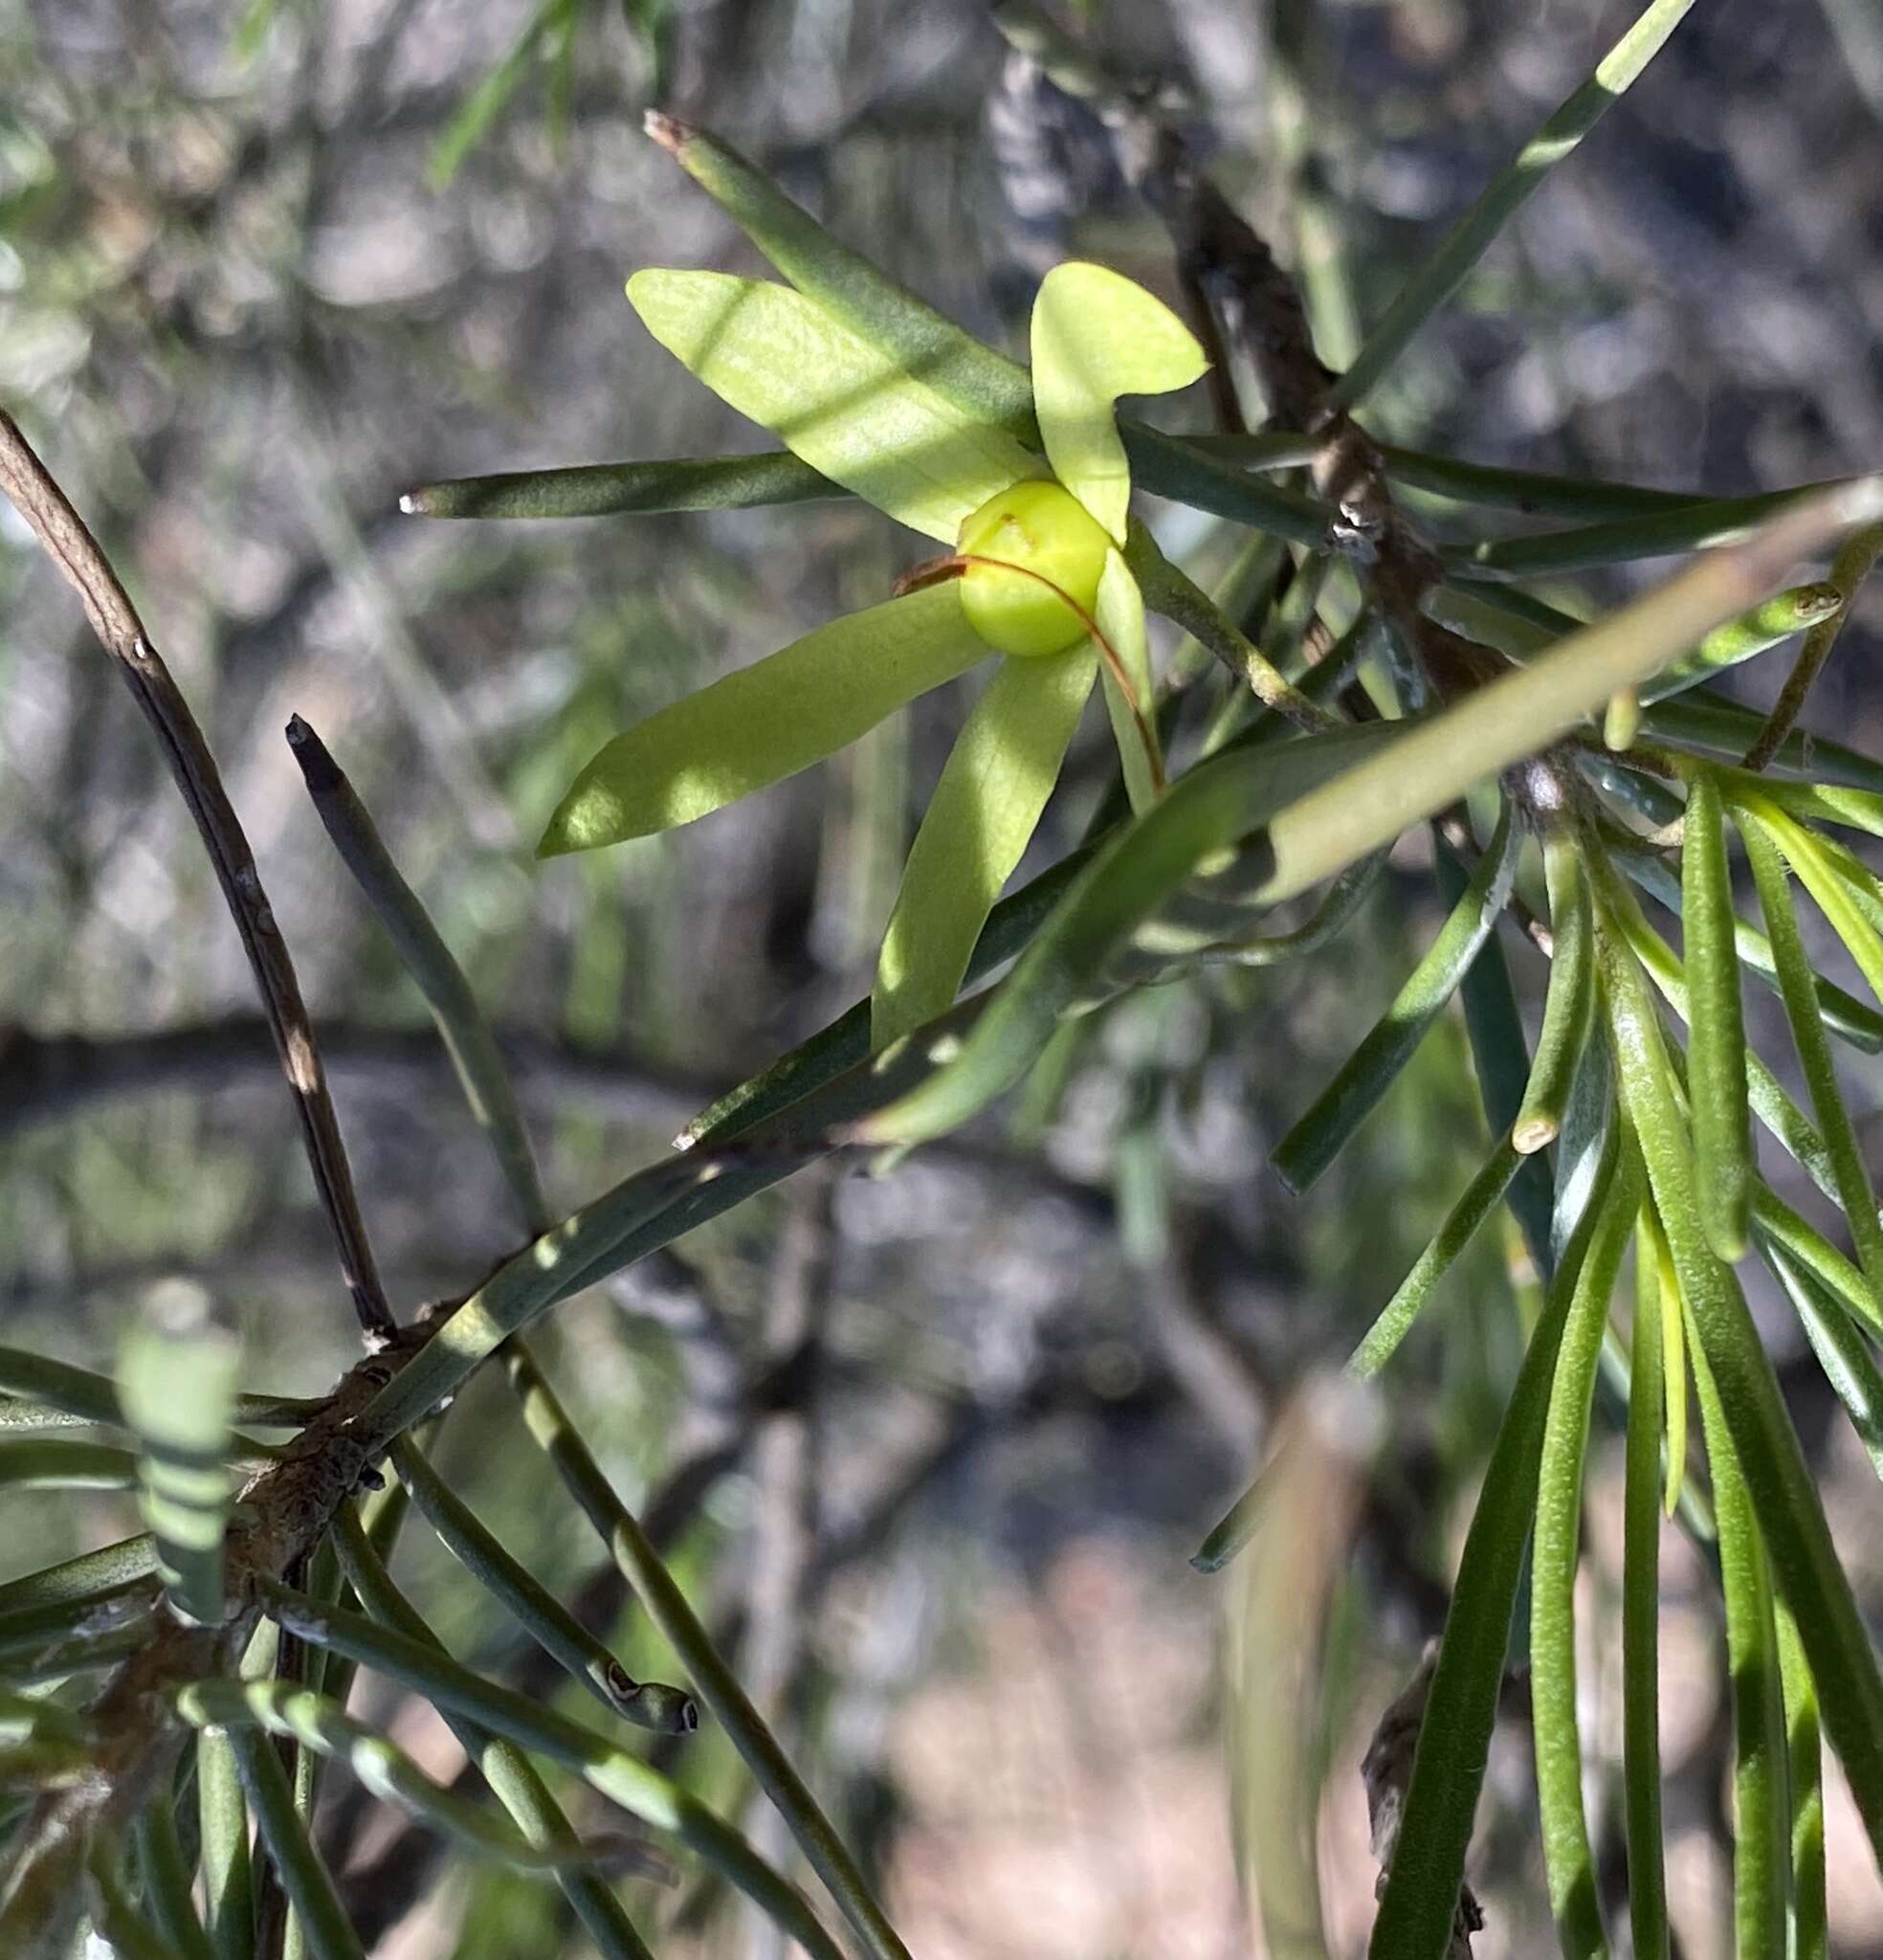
(62,531)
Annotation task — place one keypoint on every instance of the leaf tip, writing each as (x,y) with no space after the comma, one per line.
(668,131)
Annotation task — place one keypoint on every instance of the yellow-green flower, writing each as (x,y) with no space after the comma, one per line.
(1035,572)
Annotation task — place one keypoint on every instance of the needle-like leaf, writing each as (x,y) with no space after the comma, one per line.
(1419,1906)
(1715,1053)
(650,1704)
(1555,1554)
(508,1772)
(1839,1132)
(1641,1612)
(1569,1005)
(1782,1490)
(1440,277)
(1324,1130)
(1762,1849)
(1804,1751)
(618,1775)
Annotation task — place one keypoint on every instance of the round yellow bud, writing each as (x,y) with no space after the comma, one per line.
(1040,528)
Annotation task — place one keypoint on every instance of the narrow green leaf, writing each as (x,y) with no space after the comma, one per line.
(1762,1849)
(667,1607)
(1843,1014)
(718,482)
(1320,1136)
(1784,1491)
(505,1768)
(1768,623)
(1715,1053)
(325,1925)
(1500,1060)
(534,1607)
(1478,1200)
(90,1397)
(1849,569)
(1120,613)
(1097,335)
(1857,809)
(977,825)
(1832,893)
(846,1041)
(1206,811)
(1780,1228)
(223,1829)
(113,1575)
(424,954)
(1781,1116)
(1711,725)
(1804,1751)
(1555,1554)
(56,1464)
(1842,1351)
(1853,1189)
(168,1881)
(1569,1004)
(176,1381)
(1641,1612)
(852,412)
(979,383)
(1665,534)
(318,1724)
(1421,1897)
(129,1934)
(1441,275)
(1673,1357)
(764,722)
(623,1778)
(1167,588)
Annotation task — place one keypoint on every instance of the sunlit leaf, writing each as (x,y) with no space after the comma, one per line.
(1120,616)
(1097,335)
(984,811)
(767,722)
(843,406)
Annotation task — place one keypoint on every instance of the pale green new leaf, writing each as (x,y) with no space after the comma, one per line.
(767,722)
(176,1384)
(1096,336)
(1120,615)
(977,826)
(843,406)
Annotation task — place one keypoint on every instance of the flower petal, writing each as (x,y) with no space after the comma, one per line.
(1120,611)
(983,814)
(1096,336)
(843,406)
(767,722)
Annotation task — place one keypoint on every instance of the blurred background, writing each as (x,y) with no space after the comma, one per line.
(264,267)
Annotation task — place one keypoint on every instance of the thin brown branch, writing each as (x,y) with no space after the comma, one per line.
(60,529)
